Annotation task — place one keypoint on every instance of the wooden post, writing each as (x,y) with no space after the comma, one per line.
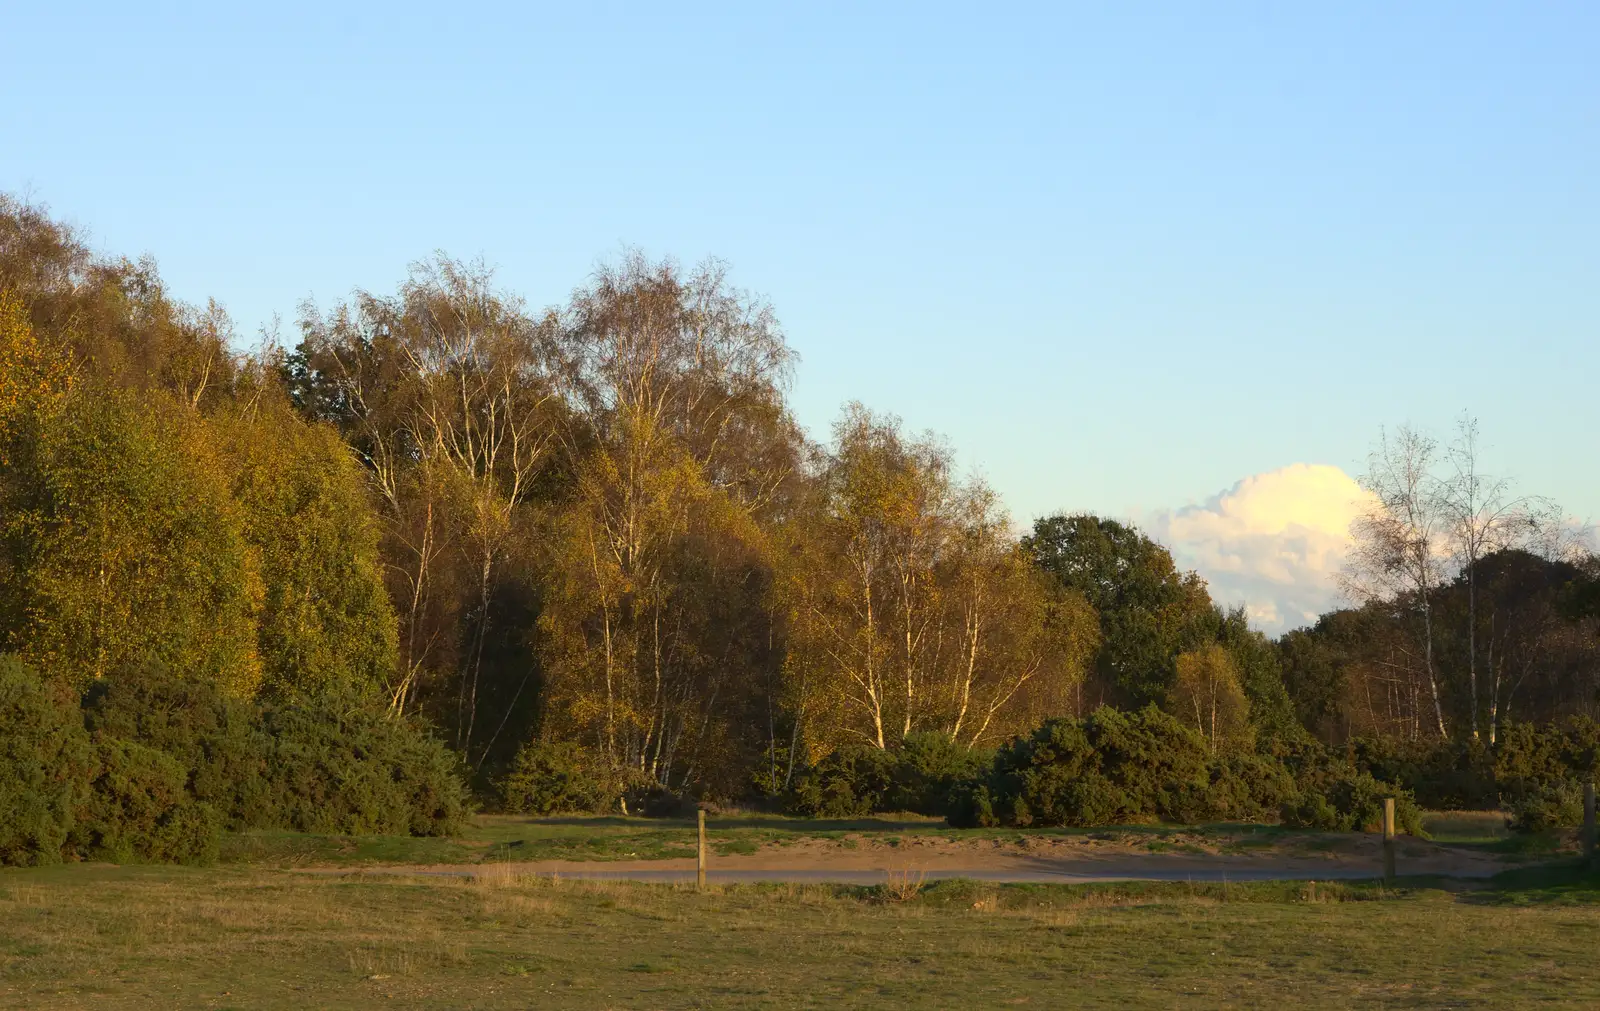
(1388,839)
(700,858)
(1588,826)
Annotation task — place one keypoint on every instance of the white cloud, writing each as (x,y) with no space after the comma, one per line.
(1273,542)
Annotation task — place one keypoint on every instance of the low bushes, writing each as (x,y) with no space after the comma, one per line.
(927,770)
(1443,775)
(1352,801)
(1547,805)
(46,764)
(1118,767)
(336,763)
(848,783)
(139,810)
(217,741)
(1108,768)
(551,777)
(922,776)
(1540,772)
(148,767)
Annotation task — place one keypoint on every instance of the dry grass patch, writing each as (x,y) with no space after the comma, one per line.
(176,937)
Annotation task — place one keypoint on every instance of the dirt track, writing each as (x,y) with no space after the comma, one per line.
(1040,860)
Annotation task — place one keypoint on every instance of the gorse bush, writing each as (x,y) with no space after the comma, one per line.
(139,810)
(1443,775)
(1540,772)
(1352,801)
(1529,758)
(1546,805)
(216,740)
(338,763)
(1110,767)
(166,764)
(921,776)
(1248,787)
(1117,767)
(848,783)
(335,762)
(551,777)
(65,793)
(927,770)
(46,764)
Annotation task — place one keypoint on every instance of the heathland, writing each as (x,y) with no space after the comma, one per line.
(357,922)
(338,622)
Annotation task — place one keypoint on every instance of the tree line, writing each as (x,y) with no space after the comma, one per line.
(596,530)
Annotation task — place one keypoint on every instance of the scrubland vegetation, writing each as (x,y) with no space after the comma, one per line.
(318,602)
(444,551)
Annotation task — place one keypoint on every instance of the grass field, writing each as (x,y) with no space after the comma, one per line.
(258,931)
(132,937)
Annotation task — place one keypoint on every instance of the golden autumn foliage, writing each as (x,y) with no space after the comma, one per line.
(1207,695)
(127,547)
(34,377)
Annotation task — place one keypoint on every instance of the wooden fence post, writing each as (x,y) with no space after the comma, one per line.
(1388,840)
(700,858)
(1588,826)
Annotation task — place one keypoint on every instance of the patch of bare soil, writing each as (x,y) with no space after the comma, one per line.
(1106,855)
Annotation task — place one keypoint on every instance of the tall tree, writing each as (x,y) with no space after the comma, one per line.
(1206,691)
(454,396)
(1149,611)
(1401,542)
(325,616)
(123,545)
(912,608)
(1484,517)
(675,377)
(113,316)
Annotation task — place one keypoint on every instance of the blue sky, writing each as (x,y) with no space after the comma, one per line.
(1123,255)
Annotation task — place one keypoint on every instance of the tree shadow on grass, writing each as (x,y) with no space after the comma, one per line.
(1563,882)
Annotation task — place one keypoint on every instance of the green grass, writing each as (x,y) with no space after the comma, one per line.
(231,936)
(1487,831)
(295,849)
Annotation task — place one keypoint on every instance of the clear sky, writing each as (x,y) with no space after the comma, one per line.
(1125,256)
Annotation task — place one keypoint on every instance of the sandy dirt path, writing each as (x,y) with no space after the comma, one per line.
(1043,860)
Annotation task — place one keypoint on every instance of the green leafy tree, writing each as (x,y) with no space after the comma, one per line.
(1207,696)
(122,544)
(1258,665)
(302,502)
(1149,611)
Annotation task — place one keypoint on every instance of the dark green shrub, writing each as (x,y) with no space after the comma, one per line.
(340,764)
(46,764)
(1111,767)
(140,810)
(1053,775)
(1535,766)
(1526,757)
(1350,802)
(848,783)
(1547,805)
(1248,787)
(1440,774)
(213,738)
(1160,765)
(547,777)
(926,770)
(971,805)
